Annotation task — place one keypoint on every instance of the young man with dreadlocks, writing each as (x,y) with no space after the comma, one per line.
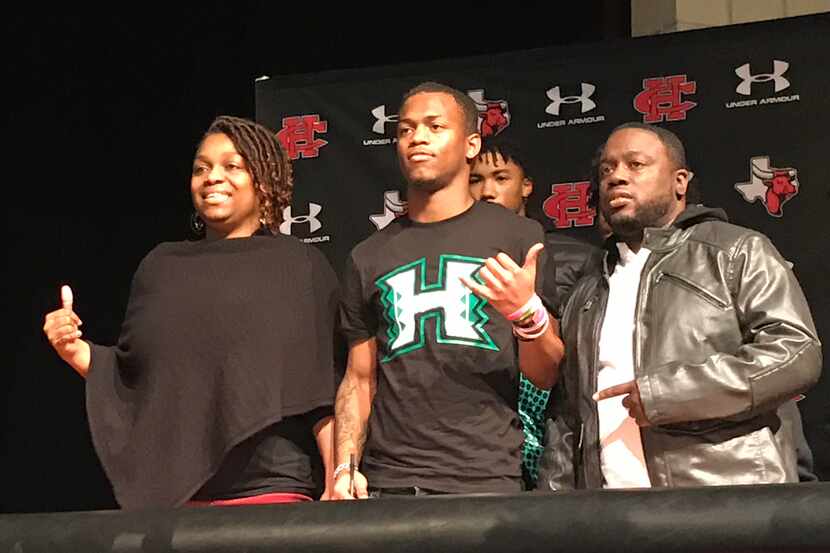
(205,399)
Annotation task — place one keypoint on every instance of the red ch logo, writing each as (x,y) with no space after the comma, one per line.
(661,98)
(568,206)
(298,135)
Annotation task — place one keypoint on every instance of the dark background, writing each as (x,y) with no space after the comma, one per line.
(102,116)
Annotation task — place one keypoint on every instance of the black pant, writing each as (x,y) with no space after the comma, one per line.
(407,491)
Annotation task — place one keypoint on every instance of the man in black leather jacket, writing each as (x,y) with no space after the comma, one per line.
(683,353)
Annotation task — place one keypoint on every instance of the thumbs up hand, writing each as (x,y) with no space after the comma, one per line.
(62,329)
(504,284)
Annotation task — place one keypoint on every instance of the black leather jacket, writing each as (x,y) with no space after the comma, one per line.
(723,337)
(569,260)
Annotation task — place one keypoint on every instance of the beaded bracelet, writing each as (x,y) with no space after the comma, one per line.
(340,468)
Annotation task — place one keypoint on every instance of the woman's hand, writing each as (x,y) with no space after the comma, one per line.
(62,329)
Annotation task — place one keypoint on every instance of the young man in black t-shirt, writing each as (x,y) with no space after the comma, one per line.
(428,402)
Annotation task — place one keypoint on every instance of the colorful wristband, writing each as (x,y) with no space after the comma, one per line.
(527,334)
(533,305)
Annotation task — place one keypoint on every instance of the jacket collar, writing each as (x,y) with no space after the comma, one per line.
(665,238)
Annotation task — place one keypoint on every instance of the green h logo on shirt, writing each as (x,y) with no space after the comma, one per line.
(458,313)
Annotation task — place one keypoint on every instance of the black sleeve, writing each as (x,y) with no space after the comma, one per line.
(326,290)
(357,320)
(112,360)
(101,358)
(318,414)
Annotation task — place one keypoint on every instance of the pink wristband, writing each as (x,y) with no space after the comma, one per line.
(539,320)
(533,306)
(536,331)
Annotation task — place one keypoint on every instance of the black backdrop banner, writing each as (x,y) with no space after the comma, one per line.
(750,102)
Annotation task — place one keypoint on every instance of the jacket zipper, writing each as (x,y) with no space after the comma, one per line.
(692,287)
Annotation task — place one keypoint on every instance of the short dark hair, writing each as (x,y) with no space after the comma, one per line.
(506,149)
(674,146)
(464,102)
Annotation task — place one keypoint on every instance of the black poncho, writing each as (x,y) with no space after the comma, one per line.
(220,339)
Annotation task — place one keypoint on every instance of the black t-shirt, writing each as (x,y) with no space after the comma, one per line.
(281,458)
(444,415)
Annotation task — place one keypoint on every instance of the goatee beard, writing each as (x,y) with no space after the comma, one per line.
(652,214)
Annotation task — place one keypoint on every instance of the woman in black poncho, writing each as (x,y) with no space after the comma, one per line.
(220,388)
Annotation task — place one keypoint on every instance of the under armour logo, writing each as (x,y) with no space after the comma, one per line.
(585,99)
(313,223)
(393,207)
(777,76)
(381,119)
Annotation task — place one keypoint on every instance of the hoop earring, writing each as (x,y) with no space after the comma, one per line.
(197,225)
(263,218)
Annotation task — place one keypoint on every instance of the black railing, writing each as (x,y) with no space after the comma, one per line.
(787,518)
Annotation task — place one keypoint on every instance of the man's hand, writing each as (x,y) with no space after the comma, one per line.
(341,487)
(507,287)
(631,401)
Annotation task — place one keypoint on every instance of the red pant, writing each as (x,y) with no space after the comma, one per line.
(264,499)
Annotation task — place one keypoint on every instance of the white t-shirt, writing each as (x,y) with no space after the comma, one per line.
(621,448)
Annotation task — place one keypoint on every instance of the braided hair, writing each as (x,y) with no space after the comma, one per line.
(268,163)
